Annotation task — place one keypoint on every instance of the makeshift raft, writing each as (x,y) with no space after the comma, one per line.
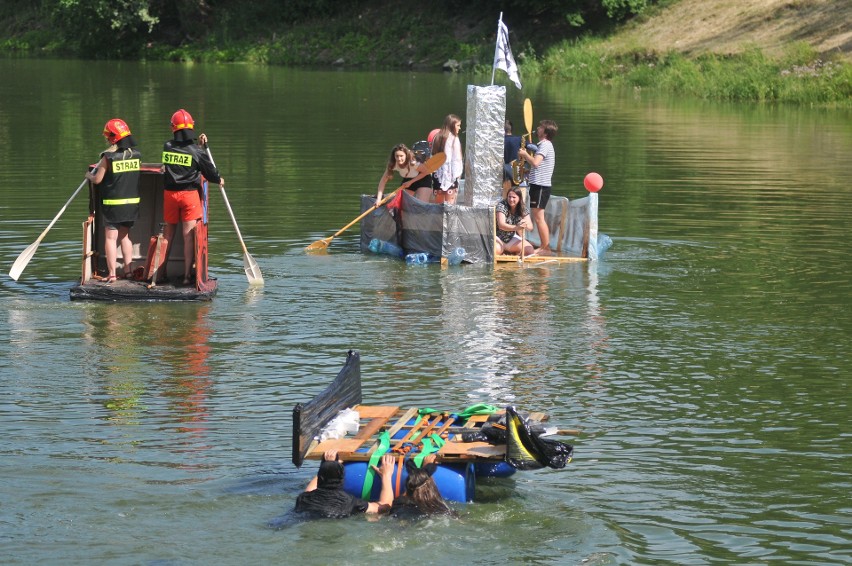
(150,254)
(437,230)
(458,439)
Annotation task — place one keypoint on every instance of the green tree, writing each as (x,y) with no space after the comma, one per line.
(104,28)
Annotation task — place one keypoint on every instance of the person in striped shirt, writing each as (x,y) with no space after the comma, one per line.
(541,172)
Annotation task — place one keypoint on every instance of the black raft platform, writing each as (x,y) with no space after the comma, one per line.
(130,290)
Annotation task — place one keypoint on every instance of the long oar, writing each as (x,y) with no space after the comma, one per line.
(26,255)
(255,277)
(432,164)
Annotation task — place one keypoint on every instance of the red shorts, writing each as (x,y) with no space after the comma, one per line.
(181,206)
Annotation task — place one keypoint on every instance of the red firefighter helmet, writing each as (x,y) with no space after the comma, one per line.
(181,120)
(115,130)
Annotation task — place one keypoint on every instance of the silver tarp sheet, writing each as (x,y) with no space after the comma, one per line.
(435,229)
(483,163)
(573,226)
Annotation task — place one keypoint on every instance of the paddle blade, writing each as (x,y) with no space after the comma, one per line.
(23,260)
(252,270)
(319,245)
(528,115)
(434,163)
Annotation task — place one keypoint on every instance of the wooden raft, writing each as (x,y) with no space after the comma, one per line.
(376,419)
(537,259)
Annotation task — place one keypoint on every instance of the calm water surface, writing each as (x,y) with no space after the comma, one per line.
(705,357)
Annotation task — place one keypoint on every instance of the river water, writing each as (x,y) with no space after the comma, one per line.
(703,357)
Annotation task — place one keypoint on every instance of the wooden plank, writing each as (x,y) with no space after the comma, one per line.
(410,434)
(378,416)
(425,432)
(342,445)
(538,259)
(375,411)
(401,421)
(396,427)
(446,426)
(471,450)
(476,420)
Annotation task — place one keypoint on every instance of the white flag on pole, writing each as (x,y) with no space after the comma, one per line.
(503,58)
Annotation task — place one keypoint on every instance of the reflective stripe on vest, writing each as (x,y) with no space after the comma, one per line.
(120,201)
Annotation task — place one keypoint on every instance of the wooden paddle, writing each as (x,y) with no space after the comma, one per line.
(432,164)
(26,255)
(255,277)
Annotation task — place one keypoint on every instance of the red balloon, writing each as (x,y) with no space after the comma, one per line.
(593,182)
(432,135)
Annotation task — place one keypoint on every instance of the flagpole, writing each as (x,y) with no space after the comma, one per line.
(496,47)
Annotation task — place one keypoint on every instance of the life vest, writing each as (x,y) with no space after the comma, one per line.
(119,189)
(184,164)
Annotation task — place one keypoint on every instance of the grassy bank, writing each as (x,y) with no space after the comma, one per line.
(800,76)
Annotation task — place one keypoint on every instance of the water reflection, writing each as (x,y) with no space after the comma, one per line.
(152,349)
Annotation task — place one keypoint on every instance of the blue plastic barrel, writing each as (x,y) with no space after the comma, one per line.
(493,469)
(456,482)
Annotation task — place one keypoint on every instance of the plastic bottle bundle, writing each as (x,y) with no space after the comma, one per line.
(346,422)
(417,259)
(456,256)
(378,246)
(604,243)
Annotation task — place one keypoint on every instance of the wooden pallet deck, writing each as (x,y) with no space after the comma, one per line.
(376,419)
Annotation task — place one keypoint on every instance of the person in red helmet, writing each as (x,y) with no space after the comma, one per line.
(184,163)
(117,179)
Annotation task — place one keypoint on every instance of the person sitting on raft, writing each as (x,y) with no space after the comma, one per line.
(421,495)
(324,496)
(512,220)
(416,178)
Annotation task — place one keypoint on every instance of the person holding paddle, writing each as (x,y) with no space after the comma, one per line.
(512,220)
(116,177)
(541,172)
(184,162)
(417,179)
(448,175)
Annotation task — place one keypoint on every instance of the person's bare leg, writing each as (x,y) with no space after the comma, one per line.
(188,248)
(110,249)
(543,230)
(498,246)
(126,249)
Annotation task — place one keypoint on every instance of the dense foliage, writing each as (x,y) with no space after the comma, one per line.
(129,28)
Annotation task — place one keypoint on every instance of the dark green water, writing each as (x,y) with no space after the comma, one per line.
(704,357)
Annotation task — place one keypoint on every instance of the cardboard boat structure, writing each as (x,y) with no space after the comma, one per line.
(468,444)
(439,230)
(158,270)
